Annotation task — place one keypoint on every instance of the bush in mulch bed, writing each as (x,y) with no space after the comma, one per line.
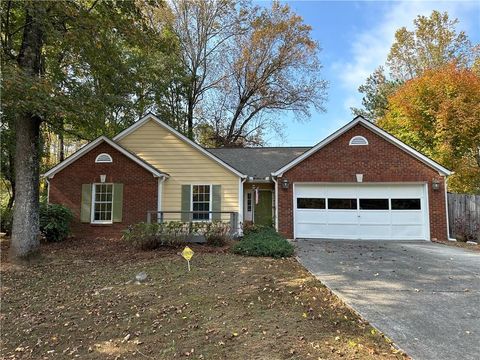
(55,222)
(145,236)
(264,242)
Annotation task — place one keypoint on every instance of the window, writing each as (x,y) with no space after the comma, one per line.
(373,204)
(102,203)
(342,204)
(358,140)
(310,203)
(103,158)
(201,200)
(249,201)
(405,204)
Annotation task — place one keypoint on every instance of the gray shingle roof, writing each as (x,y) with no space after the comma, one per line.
(258,162)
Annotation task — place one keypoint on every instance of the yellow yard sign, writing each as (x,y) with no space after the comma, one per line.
(187,254)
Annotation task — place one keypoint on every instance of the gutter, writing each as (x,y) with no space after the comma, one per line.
(276,202)
(48,190)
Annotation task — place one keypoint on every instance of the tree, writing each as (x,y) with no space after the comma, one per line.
(433,43)
(77,68)
(27,140)
(438,113)
(203,29)
(376,90)
(271,66)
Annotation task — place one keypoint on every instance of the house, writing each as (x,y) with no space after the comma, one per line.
(358,183)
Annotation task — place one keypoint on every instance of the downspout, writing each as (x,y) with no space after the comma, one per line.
(48,190)
(276,202)
(241,205)
(446,211)
(160,197)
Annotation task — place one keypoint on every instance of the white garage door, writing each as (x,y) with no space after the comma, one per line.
(361,211)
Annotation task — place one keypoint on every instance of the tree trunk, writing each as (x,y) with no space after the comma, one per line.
(11,177)
(190,119)
(25,227)
(61,144)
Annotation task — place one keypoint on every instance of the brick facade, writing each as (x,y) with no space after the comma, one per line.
(380,161)
(139,190)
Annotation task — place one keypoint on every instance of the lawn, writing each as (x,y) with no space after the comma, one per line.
(79,300)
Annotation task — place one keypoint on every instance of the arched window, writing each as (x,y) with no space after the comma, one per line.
(103,158)
(358,140)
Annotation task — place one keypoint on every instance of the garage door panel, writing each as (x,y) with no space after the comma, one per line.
(339,231)
(311,230)
(406,191)
(408,231)
(376,231)
(342,217)
(340,192)
(309,191)
(312,215)
(373,219)
(407,217)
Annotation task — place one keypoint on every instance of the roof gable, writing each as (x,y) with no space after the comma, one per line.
(375,129)
(92,145)
(180,136)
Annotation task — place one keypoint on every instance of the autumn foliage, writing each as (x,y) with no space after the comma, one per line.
(438,113)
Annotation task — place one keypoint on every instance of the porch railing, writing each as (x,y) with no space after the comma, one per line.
(162,216)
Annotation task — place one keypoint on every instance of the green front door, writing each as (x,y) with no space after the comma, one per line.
(263,210)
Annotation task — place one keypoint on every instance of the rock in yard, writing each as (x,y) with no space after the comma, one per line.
(141,276)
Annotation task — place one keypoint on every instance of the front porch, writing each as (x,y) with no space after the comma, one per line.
(259,203)
(195,223)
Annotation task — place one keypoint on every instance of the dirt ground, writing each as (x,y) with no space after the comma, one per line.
(462,245)
(80,300)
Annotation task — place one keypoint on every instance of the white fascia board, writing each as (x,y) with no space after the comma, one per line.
(179,135)
(50,173)
(360,120)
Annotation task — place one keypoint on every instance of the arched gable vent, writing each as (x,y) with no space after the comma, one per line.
(358,140)
(103,158)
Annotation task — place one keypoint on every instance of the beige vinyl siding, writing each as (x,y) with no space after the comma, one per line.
(184,164)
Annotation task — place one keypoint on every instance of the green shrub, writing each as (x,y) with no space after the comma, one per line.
(216,233)
(174,233)
(152,236)
(55,221)
(249,227)
(264,242)
(143,236)
(6,218)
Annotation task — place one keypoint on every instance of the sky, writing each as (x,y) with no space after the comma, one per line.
(355,37)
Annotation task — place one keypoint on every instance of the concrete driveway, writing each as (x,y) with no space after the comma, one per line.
(423,296)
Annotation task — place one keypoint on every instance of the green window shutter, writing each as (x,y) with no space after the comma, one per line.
(186,200)
(86,209)
(216,201)
(117,202)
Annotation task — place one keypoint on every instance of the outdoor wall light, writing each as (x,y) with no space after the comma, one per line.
(435,184)
(285,184)
(359,177)
(102,178)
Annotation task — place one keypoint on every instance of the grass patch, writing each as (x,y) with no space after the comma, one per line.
(79,302)
(264,242)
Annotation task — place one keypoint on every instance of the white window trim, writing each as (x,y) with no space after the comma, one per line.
(358,137)
(92,210)
(98,161)
(249,194)
(209,200)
